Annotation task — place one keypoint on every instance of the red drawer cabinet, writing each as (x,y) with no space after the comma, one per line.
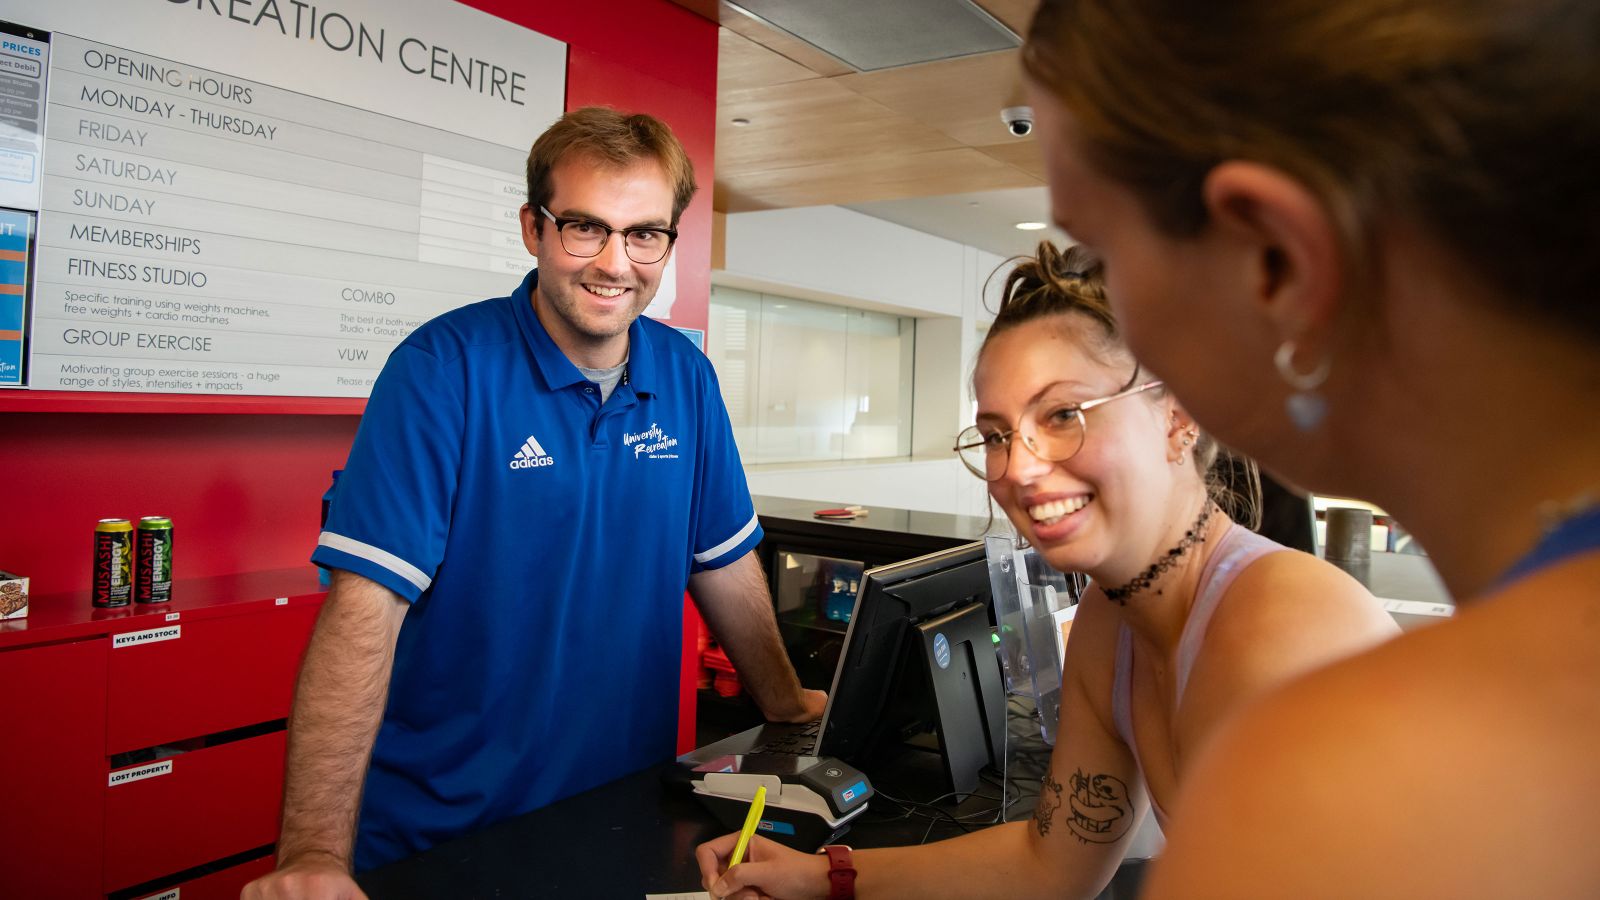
(202,806)
(190,696)
(224,885)
(216,674)
(53,726)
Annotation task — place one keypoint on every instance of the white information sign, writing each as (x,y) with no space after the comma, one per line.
(24,62)
(206,231)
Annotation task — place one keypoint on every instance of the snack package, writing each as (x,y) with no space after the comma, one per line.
(13,596)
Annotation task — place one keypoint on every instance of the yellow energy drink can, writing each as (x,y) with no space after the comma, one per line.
(113,563)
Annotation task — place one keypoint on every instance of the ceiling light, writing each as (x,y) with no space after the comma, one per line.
(1030,226)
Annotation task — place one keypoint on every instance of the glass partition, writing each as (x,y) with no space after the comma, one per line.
(807,381)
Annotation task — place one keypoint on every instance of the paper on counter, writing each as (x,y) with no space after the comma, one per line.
(693,895)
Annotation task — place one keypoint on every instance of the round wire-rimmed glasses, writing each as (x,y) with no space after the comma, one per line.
(1053,430)
(585,238)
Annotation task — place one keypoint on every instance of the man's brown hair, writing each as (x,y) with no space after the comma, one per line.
(613,139)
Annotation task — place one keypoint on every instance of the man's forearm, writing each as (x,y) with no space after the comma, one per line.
(738,607)
(338,703)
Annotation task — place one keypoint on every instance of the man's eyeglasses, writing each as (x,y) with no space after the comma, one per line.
(1052,427)
(585,238)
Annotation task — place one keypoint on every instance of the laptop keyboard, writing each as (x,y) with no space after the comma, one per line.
(799,741)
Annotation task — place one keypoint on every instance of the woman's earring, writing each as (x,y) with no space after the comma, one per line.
(1306,408)
(1183,453)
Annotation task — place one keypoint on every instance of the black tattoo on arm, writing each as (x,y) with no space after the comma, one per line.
(1049,802)
(1098,808)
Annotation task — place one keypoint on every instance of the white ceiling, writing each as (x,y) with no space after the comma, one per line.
(986,219)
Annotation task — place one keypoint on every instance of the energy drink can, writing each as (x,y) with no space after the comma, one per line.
(153,581)
(113,562)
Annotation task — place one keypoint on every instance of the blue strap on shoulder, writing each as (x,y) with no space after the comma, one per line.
(1579,534)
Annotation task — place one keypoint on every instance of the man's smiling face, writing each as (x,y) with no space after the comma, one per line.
(588,303)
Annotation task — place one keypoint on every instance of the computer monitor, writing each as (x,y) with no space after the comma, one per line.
(919,657)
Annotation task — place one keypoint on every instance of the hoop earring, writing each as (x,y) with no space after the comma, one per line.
(1305,407)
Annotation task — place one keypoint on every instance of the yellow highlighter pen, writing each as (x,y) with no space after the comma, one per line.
(750,823)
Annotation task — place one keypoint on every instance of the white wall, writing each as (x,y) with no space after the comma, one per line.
(845,255)
(933,485)
(840,256)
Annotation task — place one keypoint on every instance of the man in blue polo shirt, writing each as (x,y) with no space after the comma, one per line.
(535,482)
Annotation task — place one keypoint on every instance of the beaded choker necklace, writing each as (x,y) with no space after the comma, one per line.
(1195,535)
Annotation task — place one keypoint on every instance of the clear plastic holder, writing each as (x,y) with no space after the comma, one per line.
(1030,601)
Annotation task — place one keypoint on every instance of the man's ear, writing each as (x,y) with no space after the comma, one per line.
(531,220)
(1292,247)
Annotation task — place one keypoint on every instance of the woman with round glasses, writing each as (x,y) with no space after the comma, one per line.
(1189,617)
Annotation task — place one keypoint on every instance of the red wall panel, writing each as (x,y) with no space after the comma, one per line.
(656,37)
(243,491)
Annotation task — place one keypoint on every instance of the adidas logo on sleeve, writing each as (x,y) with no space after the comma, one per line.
(531,456)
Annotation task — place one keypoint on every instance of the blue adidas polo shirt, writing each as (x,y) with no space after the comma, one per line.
(545,542)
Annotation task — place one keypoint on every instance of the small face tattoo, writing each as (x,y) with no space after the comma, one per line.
(1049,802)
(1099,811)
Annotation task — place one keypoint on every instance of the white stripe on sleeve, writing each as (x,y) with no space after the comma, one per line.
(376,556)
(728,544)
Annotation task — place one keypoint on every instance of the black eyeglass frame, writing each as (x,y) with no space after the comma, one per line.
(562,222)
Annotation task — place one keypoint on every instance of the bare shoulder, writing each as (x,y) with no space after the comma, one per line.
(1294,592)
(1454,761)
(1284,615)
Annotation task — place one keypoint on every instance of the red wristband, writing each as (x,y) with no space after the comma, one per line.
(841,872)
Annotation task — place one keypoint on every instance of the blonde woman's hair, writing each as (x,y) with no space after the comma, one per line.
(1476,119)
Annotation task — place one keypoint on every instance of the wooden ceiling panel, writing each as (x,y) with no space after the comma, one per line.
(743,63)
(805,122)
(869,178)
(960,97)
(820,132)
(1024,153)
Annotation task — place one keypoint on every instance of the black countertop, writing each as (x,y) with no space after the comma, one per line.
(880,523)
(637,835)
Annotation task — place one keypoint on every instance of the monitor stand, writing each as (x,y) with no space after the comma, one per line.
(964,678)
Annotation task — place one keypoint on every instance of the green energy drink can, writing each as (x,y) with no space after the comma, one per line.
(153,547)
(113,562)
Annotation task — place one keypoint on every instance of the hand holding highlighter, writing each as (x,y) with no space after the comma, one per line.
(750,823)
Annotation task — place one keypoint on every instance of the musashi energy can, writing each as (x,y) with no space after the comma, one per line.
(113,562)
(153,547)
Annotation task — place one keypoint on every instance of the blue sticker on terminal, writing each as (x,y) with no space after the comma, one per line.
(774,827)
(941,651)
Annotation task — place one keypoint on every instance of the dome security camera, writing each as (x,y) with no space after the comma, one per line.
(1018,119)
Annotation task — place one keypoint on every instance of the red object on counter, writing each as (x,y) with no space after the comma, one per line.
(725,680)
